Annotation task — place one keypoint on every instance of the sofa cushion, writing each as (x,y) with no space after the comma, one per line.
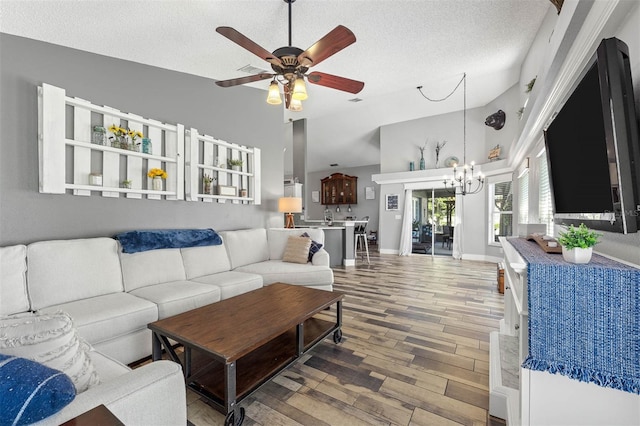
(273,271)
(49,339)
(200,261)
(297,250)
(246,246)
(232,283)
(30,391)
(108,368)
(63,271)
(177,297)
(13,280)
(103,318)
(151,267)
(278,238)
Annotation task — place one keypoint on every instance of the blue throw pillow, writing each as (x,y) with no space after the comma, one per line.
(315,246)
(30,391)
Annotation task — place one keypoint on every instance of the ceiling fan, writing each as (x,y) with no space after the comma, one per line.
(291,64)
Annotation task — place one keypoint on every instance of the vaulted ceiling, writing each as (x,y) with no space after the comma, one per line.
(401,44)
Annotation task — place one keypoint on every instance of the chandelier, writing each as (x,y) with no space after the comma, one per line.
(463,182)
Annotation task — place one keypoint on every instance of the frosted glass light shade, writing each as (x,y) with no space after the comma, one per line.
(273,97)
(295,105)
(299,89)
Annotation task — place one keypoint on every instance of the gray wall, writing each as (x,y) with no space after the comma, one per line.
(625,247)
(363,208)
(238,115)
(399,145)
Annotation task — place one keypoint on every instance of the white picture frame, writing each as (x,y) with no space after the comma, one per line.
(392,201)
(315,196)
(369,193)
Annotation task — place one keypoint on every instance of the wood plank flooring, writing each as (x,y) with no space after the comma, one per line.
(415,351)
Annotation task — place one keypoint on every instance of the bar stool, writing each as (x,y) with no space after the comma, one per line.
(360,232)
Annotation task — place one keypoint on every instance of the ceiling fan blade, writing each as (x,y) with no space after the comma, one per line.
(336,40)
(335,82)
(248,44)
(243,80)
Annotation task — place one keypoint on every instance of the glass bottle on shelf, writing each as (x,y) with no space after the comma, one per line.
(146,145)
(99,135)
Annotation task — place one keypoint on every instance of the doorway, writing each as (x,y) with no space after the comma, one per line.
(433,217)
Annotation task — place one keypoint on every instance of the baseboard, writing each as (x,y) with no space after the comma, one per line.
(388,251)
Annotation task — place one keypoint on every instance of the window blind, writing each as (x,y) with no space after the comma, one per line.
(523,203)
(545,210)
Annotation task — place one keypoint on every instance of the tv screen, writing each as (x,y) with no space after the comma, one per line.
(592,147)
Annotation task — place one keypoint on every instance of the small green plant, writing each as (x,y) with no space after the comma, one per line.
(580,237)
(207,178)
(235,162)
(530,85)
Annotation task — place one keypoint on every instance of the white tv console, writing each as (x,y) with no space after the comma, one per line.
(527,397)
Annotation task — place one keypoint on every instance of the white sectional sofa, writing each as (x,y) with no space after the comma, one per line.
(112,296)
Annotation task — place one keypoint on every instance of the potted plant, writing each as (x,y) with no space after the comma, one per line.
(577,244)
(235,163)
(206,184)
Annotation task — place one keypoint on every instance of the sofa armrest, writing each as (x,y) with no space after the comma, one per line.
(153,394)
(321,258)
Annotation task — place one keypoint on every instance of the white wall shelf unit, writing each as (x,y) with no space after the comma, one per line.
(208,155)
(67,157)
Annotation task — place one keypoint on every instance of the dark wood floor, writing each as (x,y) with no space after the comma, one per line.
(415,352)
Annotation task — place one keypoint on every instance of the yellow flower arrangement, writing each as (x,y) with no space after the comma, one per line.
(134,134)
(120,132)
(157,173)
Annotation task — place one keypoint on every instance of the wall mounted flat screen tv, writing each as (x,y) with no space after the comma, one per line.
(592,147)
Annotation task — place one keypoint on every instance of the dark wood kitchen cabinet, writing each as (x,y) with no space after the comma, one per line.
(339,189)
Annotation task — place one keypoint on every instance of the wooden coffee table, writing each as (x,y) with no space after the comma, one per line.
(234,346)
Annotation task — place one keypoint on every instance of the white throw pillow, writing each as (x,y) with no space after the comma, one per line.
(297,250)
(49,339)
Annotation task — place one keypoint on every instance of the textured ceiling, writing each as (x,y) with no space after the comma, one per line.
(401,44)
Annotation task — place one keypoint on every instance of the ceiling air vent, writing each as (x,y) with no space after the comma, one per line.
(250,69)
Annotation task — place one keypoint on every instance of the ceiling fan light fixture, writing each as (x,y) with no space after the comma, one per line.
(295,105)
(273,98)
(299,89)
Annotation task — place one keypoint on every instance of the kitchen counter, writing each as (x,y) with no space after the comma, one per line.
(345,249)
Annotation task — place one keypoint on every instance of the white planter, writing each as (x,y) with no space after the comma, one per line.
(577,255)
(157,183)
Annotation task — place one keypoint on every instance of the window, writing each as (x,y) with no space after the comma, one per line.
(545,210)
(523,198)
(501,210)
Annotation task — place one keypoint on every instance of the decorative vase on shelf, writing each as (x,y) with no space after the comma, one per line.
(207,187)
(157,183)
(577,255)
(146,145)
(411,166)
(422,166)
